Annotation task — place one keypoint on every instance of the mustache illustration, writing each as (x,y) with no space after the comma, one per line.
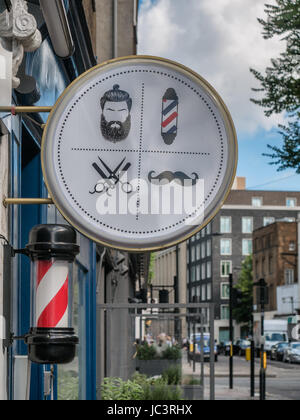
(179,177)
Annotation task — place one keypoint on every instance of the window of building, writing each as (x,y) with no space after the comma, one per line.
(203,250)
(208,229)
(247,224)
(225,224)
(193,253)
(247,247)
(198,272)
(193,273)
(203,291)
(208,292)
(203,271)
(289,276)
(257,201)
(225,293)
(291,202)
(270,264)
(202,233)
(257,268)
(288,219)
(208,269)
(224,312)
(208,248)
(225,246)
(263,266)
(268,220)
(292,246)
(198,252)
(226,268)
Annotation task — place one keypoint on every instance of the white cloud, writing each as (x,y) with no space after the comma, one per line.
(220,40)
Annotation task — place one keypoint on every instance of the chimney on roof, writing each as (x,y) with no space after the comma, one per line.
(239,183)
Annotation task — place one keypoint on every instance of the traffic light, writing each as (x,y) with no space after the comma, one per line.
(141,295)
(237,297)
(163,296)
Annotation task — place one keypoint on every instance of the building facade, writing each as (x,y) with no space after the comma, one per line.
(275,259)
(42,77)
(221,247)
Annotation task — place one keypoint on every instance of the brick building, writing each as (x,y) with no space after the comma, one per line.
(275,252)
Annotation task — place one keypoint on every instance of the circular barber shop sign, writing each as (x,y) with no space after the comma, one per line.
(139,153)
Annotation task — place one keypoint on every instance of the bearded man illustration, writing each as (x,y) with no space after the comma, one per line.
(115,119)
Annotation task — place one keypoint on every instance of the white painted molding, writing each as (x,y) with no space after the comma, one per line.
(19,34)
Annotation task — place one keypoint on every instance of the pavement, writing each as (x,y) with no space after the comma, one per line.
(282,381)
(241,368)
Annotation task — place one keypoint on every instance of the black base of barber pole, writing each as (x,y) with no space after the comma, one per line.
(51,345)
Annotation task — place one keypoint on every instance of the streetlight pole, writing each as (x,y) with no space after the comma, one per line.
(262,299)
(252,361)
(230,332)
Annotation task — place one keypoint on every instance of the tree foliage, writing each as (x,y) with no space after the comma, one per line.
(280,85)
(242,313)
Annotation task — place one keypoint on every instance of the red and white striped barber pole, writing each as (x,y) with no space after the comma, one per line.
(169,123)
(52,294)
(52,250)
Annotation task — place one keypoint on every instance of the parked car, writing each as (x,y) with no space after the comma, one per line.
(196,353)
(277,351)
(240,346)
(224,348)
(292,353)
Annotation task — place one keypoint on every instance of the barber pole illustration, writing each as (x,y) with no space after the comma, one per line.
(52,294)
(169,123)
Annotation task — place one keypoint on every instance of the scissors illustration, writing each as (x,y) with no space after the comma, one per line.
(114,177)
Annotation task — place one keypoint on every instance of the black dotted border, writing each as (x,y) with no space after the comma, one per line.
(98,83)
(87,149)
(138,202)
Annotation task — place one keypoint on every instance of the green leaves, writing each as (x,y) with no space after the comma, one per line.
(280,84)
(242,313)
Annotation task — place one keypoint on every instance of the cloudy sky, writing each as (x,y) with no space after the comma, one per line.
(221,40)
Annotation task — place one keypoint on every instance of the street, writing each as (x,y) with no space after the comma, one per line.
(283,380)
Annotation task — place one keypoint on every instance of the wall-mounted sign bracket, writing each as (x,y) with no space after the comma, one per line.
(26,201)
(25,109)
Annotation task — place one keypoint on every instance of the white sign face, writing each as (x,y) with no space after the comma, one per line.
(139,153)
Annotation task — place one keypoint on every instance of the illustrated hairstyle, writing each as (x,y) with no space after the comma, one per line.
(116,95)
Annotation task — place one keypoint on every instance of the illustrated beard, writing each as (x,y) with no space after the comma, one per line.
(115,130)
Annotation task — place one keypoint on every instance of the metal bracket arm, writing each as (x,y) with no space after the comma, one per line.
(26,201)
(25,109)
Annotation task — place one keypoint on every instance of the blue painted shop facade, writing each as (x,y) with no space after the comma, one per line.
(76,380)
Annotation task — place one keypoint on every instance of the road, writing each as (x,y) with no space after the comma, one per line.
(283,380)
